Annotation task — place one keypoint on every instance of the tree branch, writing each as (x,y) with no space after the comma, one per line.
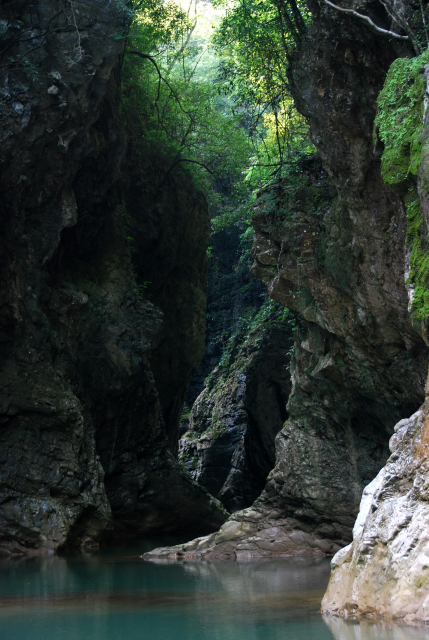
(145,56)
(367,19)
(153,61)
(176,162)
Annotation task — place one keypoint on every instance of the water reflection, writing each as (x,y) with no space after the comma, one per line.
(116,595)
(366,630)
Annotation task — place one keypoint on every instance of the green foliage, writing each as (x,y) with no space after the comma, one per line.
(304,189)
(186,412)
(252,329)
(217,427)
(419,257)
(249,328)
(255,40)
(141,290)
(239,215)
(301,187)
(234,134)
(158,24)
(256,37)
(174,116)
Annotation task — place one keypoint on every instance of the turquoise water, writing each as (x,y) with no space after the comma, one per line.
(115,595)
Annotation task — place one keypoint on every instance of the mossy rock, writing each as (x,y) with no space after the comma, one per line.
(400,125)
(399,120)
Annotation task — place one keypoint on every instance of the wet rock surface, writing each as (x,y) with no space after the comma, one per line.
(83,441)
(170,231)
(251,533)
(233,294)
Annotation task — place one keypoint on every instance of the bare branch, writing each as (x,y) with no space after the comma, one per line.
(204,166)
(145,56)
(402,23)
(176,161)
(153,61)
(386,32)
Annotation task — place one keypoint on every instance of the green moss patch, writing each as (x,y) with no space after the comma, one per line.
(399,120)
(419,258)
(399,124)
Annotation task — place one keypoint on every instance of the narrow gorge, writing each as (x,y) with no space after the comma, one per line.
(239,361)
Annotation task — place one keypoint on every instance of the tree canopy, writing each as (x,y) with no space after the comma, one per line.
(205,86)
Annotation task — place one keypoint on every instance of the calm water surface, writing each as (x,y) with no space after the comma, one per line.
(114,595)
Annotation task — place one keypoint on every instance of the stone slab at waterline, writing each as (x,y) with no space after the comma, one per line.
(247,534)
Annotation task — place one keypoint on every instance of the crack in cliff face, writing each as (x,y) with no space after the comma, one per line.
(83,442)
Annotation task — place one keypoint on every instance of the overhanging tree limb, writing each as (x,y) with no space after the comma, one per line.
(153,61)
(386,32)
(177,161)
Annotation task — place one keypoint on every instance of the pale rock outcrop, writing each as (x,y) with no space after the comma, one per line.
(251,533)
(385,571)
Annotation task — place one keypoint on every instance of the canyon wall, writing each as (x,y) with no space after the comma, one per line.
(331,245)
(229,446)
(83,438)
(236,403)
(383,572)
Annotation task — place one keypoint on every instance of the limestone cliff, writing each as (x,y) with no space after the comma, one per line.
(383,573)
(234,296)
(169,229)
(83,446)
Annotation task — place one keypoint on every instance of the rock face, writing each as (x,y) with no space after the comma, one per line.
(170,229)
(233,297)
(384,571)
(256,532)
(229,447)
(354,374)
(331,246)
(83,444)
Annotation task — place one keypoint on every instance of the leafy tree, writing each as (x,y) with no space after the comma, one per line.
(218,105)
(257,39)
